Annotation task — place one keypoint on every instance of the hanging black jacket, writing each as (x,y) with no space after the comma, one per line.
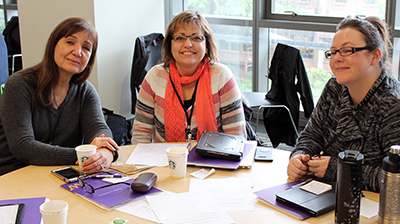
(147,54)
(289,78)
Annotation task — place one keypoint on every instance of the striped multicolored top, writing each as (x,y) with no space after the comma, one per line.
(149,117)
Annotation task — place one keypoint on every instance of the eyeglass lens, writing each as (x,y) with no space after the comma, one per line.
(345,51)
(183,38)
(90,189)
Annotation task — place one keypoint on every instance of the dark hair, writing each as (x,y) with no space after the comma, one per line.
(189,18)
(376,35)
(47,70)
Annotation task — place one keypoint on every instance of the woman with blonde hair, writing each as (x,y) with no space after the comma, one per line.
(190,92)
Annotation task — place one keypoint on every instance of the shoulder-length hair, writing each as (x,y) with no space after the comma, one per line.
(47,70)
(189,18)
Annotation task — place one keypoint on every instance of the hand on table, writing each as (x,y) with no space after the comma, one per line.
(103,157)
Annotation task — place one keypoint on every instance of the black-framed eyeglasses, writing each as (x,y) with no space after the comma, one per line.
(182,38)
(90,189)
(344,51)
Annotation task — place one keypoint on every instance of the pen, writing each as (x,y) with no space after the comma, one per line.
(318,155)
(107,176)
(188,147)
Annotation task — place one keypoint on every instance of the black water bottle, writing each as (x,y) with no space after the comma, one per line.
(348,187)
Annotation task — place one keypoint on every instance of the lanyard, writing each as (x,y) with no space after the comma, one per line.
(188,118)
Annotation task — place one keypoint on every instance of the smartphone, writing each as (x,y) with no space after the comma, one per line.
(67,174)
(264,154)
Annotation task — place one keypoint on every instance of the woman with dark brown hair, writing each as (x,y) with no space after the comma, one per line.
(49,109)
(359,109)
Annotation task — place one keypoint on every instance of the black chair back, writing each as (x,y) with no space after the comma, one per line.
(147,53)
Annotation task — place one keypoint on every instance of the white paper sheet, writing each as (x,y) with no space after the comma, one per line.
(8,214)
(141,208)
(203,174)
(369,208)
(188,208)
(233,194)
(316,187)
(151,154)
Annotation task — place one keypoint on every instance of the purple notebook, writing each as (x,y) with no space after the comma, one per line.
(107,197)
(198,160)
(31,210)
(268,196)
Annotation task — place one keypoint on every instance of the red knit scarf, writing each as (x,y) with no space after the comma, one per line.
(174,115)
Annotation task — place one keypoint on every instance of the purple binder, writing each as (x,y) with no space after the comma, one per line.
(268,196)
(31,211)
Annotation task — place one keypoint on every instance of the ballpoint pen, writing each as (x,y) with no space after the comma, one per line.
(318,155)
(106,176)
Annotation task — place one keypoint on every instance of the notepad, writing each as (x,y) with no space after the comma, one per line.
(316,187)
(11,213)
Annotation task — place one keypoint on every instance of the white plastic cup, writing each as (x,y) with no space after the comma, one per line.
(177,161)
(84,152)
(54,212)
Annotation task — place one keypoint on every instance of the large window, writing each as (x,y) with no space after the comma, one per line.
(247,32)
(8,9)
(312,46)
(336,8)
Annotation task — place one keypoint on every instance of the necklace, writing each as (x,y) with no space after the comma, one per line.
(57,100)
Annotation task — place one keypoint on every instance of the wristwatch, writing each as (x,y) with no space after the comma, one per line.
(115,155)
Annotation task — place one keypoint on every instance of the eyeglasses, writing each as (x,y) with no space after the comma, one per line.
(344,51)
(182,38)
(90,189)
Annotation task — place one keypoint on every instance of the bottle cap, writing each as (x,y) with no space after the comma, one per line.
(391,163)
(351,156)
(395,149)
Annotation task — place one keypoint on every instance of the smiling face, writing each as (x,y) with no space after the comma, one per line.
(188,55)
(72,53)
(352,70)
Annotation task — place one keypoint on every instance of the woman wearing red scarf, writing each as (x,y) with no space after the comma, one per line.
(190,92)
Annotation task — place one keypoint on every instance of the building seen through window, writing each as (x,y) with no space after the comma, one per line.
(235,43)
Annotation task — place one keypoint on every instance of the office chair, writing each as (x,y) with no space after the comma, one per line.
(13,43)
(257,99)
(289,81)
(147,53)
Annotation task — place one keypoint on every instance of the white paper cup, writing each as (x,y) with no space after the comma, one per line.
(177,160)
(54,212)
(84,152)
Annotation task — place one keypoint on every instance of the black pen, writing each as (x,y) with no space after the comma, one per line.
(318,155)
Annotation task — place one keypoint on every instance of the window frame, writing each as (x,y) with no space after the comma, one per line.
(263,19)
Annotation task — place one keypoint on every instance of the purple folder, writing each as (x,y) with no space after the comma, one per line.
(198,160)
(268,196)
(109,196)
(31,210)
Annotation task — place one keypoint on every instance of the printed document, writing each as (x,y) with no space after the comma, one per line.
(233,194)
(188,208)
(151,154)
(141,208)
